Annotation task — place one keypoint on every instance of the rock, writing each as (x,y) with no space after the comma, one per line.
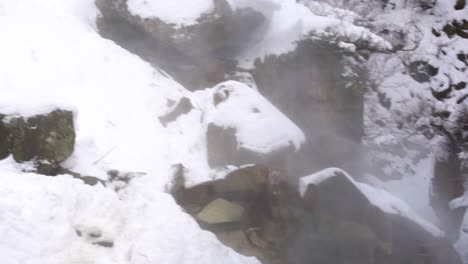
(422,71)
(221,211)
(248,179)
(339,197)
(48,139)
(308,86)
(4,138)
(358,231)
(457,28)
(107,244)
(203,51)
(238,241)
(177,183)
(241,185)
(230,140)
(183,107)
(460,4)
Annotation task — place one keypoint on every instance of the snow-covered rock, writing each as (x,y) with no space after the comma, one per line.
(402,231)
(259,125)
(54,58)
(377,197)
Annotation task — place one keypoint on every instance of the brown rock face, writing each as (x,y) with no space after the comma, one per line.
(198,55)
(307,85)
(47,138)
(332,223)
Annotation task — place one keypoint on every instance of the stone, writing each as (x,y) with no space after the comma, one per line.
(221,211)
(422,71)
(4,138)
(47,139)
(330,115)
(248,179)
(339,197)
(183,107)
(360,232)
(203,51)
(223,149)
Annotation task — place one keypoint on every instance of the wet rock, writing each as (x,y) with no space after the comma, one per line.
(47,139)
(221,211)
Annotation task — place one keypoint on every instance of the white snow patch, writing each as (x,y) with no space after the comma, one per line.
(413,189)
(259,126)
(39,215)
(53,57)
(180,12)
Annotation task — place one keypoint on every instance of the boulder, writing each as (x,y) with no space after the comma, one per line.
(46,138)
(339,197)
(198,54)
(357,231)
(221,211)
(263,134)
(308,86)
(241,185)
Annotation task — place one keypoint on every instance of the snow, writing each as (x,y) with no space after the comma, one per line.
(179,13)
(53,57)
(41,214)
(378,197)
(289,22)
(413,189)
(260,127)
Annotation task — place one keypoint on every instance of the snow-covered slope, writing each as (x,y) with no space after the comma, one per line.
(53,57)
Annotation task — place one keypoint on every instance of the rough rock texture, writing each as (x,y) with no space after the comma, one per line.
(4,132)
(308,86)
(305,84)
(197,55)
(48,138)
(333,222)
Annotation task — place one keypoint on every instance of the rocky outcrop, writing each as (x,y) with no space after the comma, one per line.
(307,85)
(198,55)
(245,128)
(330,221)
(46,139)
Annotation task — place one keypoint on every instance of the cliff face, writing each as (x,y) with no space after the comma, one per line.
(308,85)
(240,99)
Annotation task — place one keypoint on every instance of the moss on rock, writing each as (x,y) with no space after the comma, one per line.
(49,138)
